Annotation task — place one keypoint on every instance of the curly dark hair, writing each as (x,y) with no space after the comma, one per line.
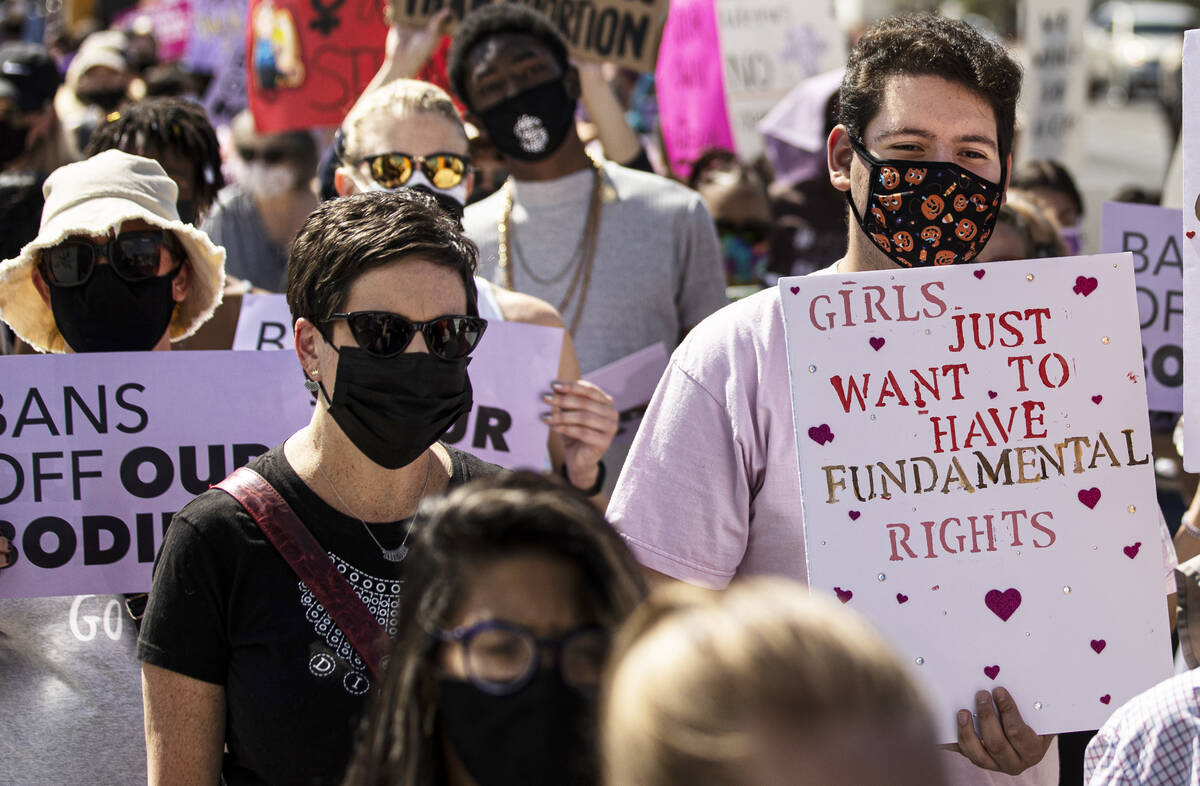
(929,45)
(155,125)
(493,20)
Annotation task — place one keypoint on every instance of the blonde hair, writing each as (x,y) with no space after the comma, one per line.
(694,674)
(394,100)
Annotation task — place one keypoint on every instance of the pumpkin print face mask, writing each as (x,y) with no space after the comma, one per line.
(923,213)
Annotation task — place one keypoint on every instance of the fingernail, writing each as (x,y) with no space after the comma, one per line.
(558,385)
(548,398)
(545,417)
(964,717)
(1002,695)
(982,698)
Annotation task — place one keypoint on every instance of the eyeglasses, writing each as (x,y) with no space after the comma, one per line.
(393,170)
(384,334)
(134,256)
(270,155)
(501,657)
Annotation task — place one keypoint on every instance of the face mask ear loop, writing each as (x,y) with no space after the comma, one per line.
(862,153)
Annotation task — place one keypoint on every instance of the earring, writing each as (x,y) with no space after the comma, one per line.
(310,384)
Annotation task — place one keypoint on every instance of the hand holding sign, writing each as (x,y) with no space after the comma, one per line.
(1004,742)
(584,417)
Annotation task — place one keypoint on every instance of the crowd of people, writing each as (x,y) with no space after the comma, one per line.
(366,604)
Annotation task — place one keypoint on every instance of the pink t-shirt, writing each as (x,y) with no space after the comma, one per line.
(711,488)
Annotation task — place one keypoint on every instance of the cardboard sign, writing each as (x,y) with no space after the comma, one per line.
(1191,251)
(625,32)
(98,451)
(1055,81)
(1153,234)
(977,480)
(307,61)
(510,370)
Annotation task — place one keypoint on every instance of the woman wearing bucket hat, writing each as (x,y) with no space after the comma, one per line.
(112,267)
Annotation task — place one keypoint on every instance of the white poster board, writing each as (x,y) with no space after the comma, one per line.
(1153,234)
(1191,251)
(1054,89)
(768,47)
(992,510)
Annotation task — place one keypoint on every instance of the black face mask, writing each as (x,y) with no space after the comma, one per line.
(12,141)
(110,314)
(108,100)
(392,409)
(538,736)
(531,125)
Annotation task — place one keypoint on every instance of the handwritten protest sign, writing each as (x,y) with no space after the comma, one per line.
(1191,251)
(975,465)
(631,382)
(217,46)
(307,62)
(98,451)
(625,32)
(510,370)
(1055,81)
(1152,234)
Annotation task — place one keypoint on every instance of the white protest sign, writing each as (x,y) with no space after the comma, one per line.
(631,382)
(768,47)
(1053,94)
(510,370)
(98,451)
(1191,252)
(975,465)
(1152,235)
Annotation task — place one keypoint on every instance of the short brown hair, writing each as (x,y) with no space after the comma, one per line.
(344,237)
(929,45)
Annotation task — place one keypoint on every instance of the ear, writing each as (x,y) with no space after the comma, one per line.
(343,183)
(571,78)
(182,283)
(839,156)
(39,283)
(308,340)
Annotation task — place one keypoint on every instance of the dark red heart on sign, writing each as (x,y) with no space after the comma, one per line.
(795,290)
(980,273)
(991,671)
(1132,551)
(820,434)
(854,514)
(992,394)
(843,595)
(901,597)
(1098,645)
(1105,699)
(1097,399)
(1085,285)
(1089,497)
(1190,234)
(877,343)
(1003,604)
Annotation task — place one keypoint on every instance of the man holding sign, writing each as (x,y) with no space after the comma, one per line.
(710,491)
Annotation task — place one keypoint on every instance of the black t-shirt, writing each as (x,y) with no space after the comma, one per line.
(225,608)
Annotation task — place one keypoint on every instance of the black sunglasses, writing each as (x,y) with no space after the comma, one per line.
(270,155)
(393,170)
(134,256)
(385,335)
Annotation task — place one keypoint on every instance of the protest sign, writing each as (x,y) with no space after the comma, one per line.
(624,32)
(98,451)
(1152,234)
(1191,251)
(1055,81)
(631,382)
(975,464)
(725,64)
(171,21)
(307,61)
(217,46)
(510,370)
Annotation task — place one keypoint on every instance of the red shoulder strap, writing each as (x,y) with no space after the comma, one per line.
(311,563)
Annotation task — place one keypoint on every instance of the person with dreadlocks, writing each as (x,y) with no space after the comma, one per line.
(177,134)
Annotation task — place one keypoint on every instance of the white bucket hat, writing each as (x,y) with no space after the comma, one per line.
(90,198)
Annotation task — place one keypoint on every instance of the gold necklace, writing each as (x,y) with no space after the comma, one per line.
(583,269)
(400,552)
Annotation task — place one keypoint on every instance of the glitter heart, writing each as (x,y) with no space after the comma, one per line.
(820,434)
(1098,645)
(854,514)
(1096,399)
(1105,699)
(901,597)
(1089,497)
(1085,285)
(843,595)
(1132,551)
(979,273)
(1190,234)
(877,343)
(795,290)
(991,671)
(992,394)
(1003,604)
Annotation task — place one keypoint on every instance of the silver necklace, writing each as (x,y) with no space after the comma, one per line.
(400,552)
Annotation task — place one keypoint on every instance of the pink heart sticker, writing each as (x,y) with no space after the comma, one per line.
(1089,497)
(1085,285)
(992,394)
(854,514)
(1003,604)
(821,434)
(901,597)
(1132,551)
(1098,645)
(795,290)
(843,595)
(1096,399)
(991,671)
(877,343)
(1105,699)
(980,273)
